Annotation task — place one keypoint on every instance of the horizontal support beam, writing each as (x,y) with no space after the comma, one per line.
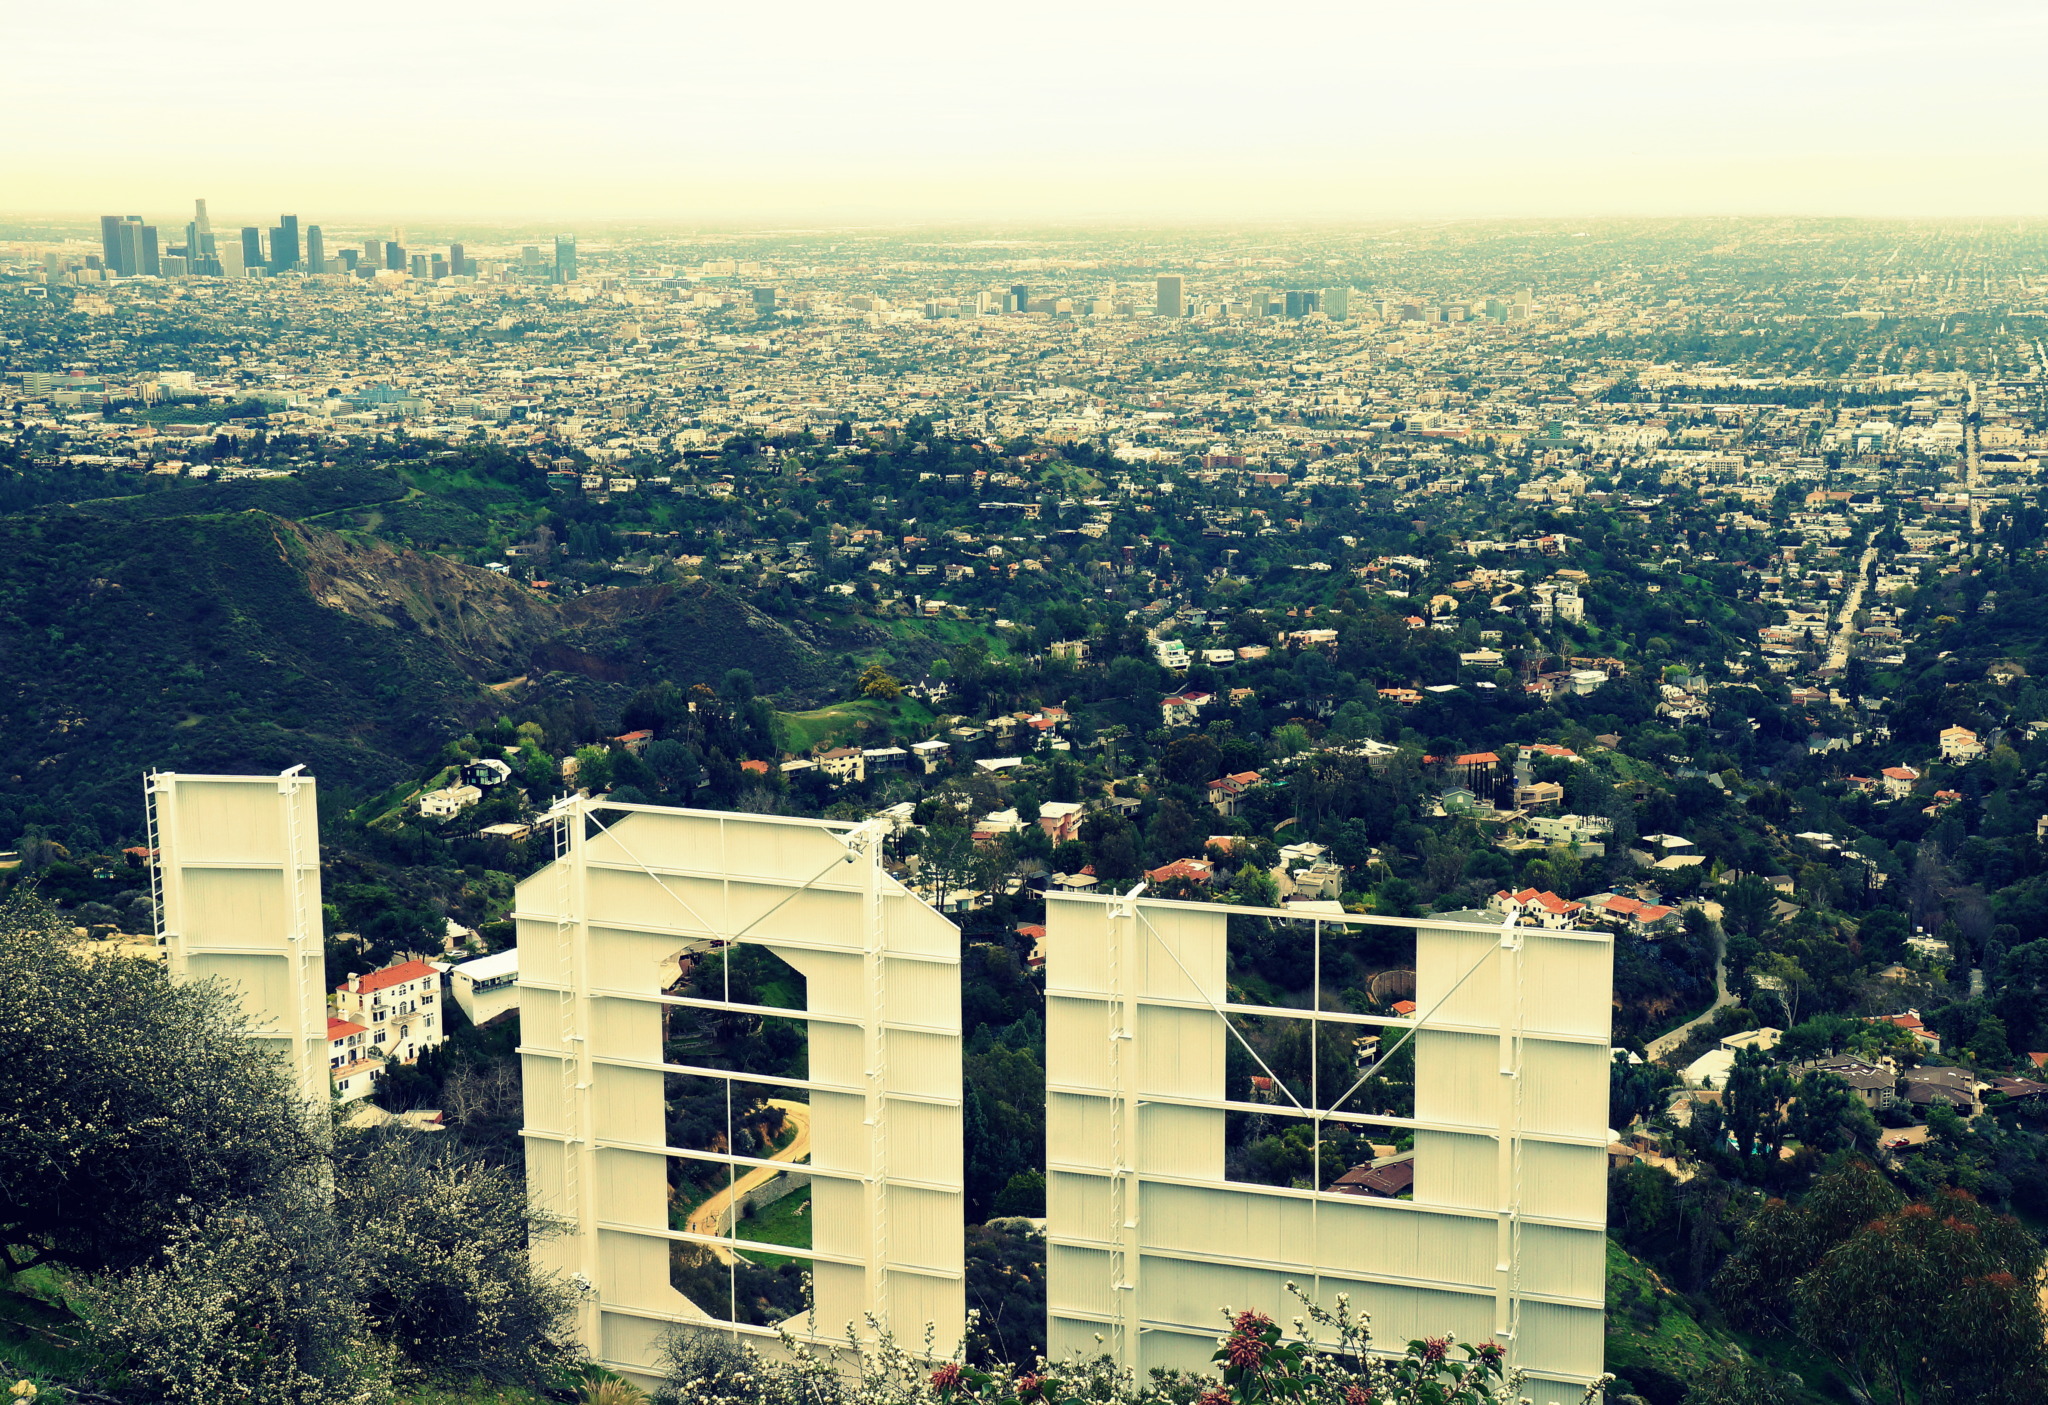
(808,1168)
(1486,1290)
(729,1076)
(1285,1012)
(685,935)
(1331,919)
(1360,1119)
(1282,1192)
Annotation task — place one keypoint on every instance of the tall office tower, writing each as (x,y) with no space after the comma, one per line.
(437,268)
(394,255)
(764,299)
(349,258)
(529,256)
(284,244)
(1019,299)
(252,247)
(112,242)
(316,250)
(229,257)
(1172,300)
(1302,301)
(129,244)
(1337,303)
(420,267)
(565,258)
(457,264)
(199,242)
(373,254)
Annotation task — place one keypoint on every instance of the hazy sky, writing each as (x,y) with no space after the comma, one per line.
(909,109)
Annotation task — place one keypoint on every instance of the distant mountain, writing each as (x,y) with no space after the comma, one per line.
(245,641)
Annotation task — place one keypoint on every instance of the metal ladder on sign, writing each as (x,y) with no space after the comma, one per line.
(309,1002)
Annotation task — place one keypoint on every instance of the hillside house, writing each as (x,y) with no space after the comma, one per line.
(1898,781)
(1960,744)
(400,1006)
(843,764)
(448,802)
(486,987)
(1531,907)
(1200,872)
(1631,914)
(1227,793)
(352,1063)
(1182,709)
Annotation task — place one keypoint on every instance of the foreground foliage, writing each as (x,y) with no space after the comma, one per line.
(1259,1364)
(218,1244)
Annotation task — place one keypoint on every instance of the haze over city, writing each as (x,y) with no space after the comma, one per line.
(910,110)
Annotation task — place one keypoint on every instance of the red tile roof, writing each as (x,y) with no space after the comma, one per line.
(342,1029)
(388,977)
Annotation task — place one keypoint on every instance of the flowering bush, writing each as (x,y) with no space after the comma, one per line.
(1327,1359)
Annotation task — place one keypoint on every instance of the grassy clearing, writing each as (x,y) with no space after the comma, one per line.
(1653,1332)
(851,723)
(787,1221)
(948,634)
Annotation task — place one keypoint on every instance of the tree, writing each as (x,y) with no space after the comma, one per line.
(436,1246)
(876,683)
(1936,1301)
(1930,1300)
(252,1302)
(945,862)
(1746,906)
(125,1099)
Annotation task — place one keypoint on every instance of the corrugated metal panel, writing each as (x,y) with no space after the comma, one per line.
(1181,954)
(1077,1130)
(1180,1141)
(1572,1338)
(1079,1203)
(1388,1240)
(1083,1276)
(924,1064)
(1454,1169)
(1566,1263)
(1232,1222)
(1077,947)
(1180,1052)
(1077,1042)
(1565,1182)
(1564,1089)
(1568,986)
(633,1110)
(1455,976)
(1457,1078)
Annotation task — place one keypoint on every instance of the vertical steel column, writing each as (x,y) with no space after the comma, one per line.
(1508,1139)
(864,845)
(307,948)
(1125,1258)
(579,1172)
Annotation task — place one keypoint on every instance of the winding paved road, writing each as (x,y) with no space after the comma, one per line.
(709,1217)
(1665,1043)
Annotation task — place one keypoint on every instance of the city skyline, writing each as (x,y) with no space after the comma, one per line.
(913,114)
